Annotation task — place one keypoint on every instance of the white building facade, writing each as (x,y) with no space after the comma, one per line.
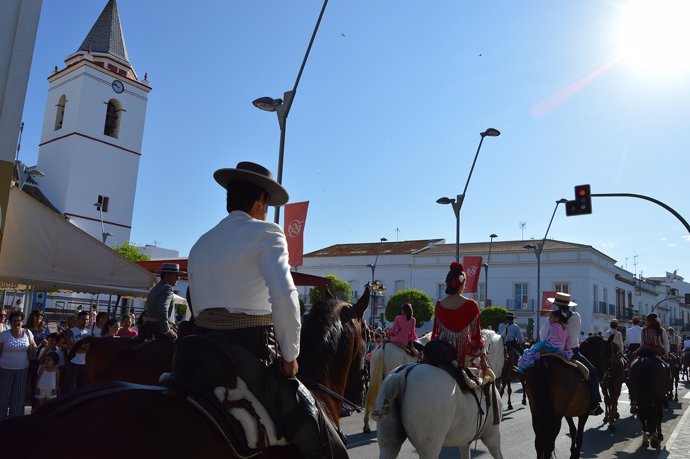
(602,290)
(92,133)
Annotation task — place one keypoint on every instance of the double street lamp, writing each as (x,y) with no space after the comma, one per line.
(486,269)
(456,203)
(375,286)
(282,106)
(104,235)
(537,251)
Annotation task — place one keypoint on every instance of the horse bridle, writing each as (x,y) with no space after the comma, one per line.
(313,384)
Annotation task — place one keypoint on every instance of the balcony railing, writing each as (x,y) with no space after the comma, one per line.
(612,309)
(601,308)
(627,313)
(518,305)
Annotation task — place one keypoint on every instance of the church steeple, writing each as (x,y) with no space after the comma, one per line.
(106,34)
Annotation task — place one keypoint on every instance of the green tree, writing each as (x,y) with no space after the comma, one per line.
(492,316)
(130,252)
(421,305)
(530,327)
(340,289)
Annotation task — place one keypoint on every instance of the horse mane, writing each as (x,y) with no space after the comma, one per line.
(320,336)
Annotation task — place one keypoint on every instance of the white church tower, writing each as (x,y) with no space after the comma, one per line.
(92,133)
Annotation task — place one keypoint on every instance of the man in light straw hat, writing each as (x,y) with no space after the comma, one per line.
(633,335)
(243,293)
(160,305)
(563,302)
(617,335)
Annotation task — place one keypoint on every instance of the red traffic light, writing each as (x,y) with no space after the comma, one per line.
(582,205)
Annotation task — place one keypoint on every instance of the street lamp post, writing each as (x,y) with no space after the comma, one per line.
(537,251)
(457,202)
(282,106)
(486,269)
(373,284)
(104,235)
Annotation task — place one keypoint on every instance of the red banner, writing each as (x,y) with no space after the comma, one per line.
(545,305)
(473,269)
(295,218)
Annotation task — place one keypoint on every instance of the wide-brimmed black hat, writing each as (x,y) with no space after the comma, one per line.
(258,175)
(169,268)
(509,315)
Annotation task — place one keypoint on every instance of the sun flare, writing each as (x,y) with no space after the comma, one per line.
(654,36)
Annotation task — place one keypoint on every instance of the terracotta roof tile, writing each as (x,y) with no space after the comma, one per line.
(372,248)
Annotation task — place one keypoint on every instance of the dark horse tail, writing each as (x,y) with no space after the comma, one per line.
(547,420)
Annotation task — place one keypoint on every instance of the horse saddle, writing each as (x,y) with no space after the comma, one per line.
(442,355)
(200,365)
(572,363)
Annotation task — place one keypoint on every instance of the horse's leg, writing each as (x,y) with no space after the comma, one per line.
(492,440)
(510,392)
(581,421)
(391,435)
(524,394)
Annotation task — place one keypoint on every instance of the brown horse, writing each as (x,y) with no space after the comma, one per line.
(510,374)
(648,387)
(604,355)
(555,390)
(163,422)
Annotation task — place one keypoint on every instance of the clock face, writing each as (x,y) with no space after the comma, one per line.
(118,86)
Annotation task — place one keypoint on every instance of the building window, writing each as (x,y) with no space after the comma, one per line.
(522,296)
(399,285)
(481,289)
(595,293)
(112,119)
(60,112)
(562,287)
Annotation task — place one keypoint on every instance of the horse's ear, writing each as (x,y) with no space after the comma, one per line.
(328,295)
(362,303)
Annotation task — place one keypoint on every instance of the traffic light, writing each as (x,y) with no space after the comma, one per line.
(582,204)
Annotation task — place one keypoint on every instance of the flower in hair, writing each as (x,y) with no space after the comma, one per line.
(455,264)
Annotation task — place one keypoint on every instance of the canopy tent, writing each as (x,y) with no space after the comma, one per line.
(300,279)
(40,249)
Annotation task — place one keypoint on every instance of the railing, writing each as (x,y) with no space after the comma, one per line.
(600,308)
(676,323)
(627,313)
(517,305)
(612,309)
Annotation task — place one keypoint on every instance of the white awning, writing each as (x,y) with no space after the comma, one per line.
(40,249)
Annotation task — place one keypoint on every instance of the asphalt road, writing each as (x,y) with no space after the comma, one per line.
(517,436)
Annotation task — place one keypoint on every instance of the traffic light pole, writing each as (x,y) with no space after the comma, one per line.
(646,198)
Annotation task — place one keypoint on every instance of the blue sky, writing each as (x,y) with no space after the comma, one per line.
(388,114)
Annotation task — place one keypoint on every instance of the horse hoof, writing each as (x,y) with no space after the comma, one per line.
(656,444)
(645,443)
(612,427)
(524,402)
(606,419)
(366,429)
(510,407)
(618,415)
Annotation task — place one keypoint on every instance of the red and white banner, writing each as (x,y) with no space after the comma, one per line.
(473,269)
(545,305)
(295,218)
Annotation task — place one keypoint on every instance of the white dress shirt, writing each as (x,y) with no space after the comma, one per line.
(513,333)
(633,335)
(617,339)
(242,265)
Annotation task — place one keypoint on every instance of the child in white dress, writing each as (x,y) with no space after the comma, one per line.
(48,380)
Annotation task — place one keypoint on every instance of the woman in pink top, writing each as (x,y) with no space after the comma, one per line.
(403,330)
(126,330)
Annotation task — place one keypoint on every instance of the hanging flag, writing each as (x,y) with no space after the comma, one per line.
(545,305)
(473,269)
(295,219)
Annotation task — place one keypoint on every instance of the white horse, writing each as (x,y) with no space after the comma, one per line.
(425,405)
(384,359)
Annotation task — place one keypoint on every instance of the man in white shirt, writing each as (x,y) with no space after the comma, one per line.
(511,333)
(617,336)
(563,302)
(633,335)
(674,341)
(241,288)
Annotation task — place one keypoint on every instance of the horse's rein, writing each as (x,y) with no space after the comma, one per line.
(309,383)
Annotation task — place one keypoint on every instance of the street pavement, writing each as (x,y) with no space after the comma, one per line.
(517,436)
